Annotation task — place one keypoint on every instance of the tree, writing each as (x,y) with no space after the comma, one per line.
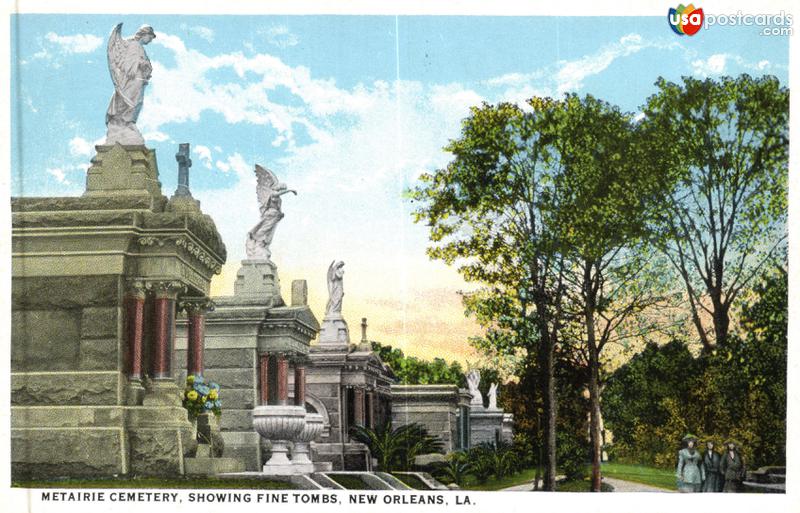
(607,194)
(489,212)
(728,141)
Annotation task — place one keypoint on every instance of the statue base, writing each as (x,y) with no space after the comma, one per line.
(334,331)
(257,282)
(119,170)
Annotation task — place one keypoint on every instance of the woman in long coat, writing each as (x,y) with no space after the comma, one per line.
(711,463)
(732,468)
(690,471)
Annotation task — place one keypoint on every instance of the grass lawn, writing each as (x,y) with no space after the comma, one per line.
(640,474)
(412,481)
(526,476)
(349,481)
(159,482)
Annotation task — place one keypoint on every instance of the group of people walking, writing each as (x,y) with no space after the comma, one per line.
(710,471)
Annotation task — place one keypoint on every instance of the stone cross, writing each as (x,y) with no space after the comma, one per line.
(184,163)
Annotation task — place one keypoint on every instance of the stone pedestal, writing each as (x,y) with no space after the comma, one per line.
(257,283)
(300,453)
(280,424)
(486,426)
(334,332)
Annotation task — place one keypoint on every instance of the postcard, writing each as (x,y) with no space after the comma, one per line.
(398,257)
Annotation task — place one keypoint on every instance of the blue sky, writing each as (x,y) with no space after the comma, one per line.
(348,110)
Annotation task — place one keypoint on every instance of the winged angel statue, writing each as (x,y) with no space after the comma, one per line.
(335,289)
(269,191)
(130,72)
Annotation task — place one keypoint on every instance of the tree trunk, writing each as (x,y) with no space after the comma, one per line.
(594,378)
(594,418)
(547,387)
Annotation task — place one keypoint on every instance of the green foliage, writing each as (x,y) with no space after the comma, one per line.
(411,370)
(738,391)
(726,141)
(455,469)
(395,449)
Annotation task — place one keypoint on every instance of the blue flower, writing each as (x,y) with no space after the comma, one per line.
(202,389)
(208,405)
(218,403)
(215,386)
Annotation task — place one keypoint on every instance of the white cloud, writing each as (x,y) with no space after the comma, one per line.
(725,63)
(80,147)
(58,174)
(78,43)
(202,32)
(281,36)
(714,65)
(204,153)
(155,135)
(569,76)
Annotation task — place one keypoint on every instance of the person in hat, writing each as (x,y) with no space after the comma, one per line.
(711,463)
(690,471)
(732,468)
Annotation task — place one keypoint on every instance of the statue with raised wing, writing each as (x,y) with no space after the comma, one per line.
(473,380)
(130,72)
(493,397)
(269,191)
(335,289)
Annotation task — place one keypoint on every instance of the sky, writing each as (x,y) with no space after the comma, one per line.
(347,110)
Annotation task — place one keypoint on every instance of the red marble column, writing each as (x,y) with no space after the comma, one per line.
(263,379)
(300,385)
(134,318)
(196,314)
(163,330)
(358,396)
(282,370)
(194,350)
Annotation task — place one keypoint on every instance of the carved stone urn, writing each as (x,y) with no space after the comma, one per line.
(302,447)
(279,424)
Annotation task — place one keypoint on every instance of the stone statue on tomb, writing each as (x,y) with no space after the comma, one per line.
(473,380)
(269,191)
(493,397)
(130,72)
(335,289)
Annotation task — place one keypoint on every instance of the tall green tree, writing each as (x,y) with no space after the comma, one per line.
(489,212)
(607,194)
(728,140)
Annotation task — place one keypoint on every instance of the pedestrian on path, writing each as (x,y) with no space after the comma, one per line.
(690,471)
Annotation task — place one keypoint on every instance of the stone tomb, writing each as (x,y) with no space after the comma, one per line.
(442,409)
(96,281)
(347,385)
(256,347)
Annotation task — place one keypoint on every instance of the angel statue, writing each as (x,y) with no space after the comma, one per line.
(130,71)
(269,191)
(335,289)
(473,380)
(493,396)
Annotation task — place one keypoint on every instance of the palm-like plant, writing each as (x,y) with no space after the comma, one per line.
(456,468)
(396,447)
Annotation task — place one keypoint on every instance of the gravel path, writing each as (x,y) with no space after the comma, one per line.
(618,484)
(629,486)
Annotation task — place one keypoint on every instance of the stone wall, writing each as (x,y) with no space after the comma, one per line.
(436,407)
